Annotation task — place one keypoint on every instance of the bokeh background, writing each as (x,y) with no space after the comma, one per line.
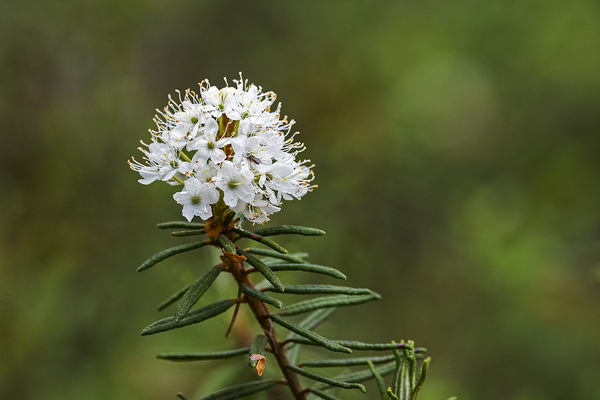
(457,156)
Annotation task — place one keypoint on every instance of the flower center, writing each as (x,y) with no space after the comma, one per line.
(195,199)
(233,184)
(210,145)
(194,120)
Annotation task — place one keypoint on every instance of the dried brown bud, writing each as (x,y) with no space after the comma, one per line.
(260,365)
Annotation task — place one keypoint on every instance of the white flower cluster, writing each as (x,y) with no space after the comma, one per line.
(226,144)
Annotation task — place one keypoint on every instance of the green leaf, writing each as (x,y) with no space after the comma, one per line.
(363,375)
(228,218)
(318,269)
(371,346)
(313,337)
(262,285)
(298,255)
(193,317)
(311,322)
(407,373)
(196,290)
(180,224)
(323,289)
(324,302)
(351,344)
(289,230)
(391,394)
(322,395)
(239,391)
(263,269)
(173,298)
(158,257)
(194,232)
(345,362)
(266,241)
(314,320)
(422,377)
(202,356)
(379,380)
(274,254)
(397,376)
(329,381)
(257,294)
(226,243)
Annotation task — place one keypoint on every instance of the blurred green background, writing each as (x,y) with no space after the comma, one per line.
(457,156)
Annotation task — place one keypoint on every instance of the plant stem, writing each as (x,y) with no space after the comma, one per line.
(261,311)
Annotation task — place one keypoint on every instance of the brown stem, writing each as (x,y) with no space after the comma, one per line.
(261,311)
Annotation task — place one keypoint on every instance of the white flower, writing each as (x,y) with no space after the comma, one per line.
(196,198)
(235,184)
(257,211)
(226,143)
(207,145)
(217,101)
(248,151)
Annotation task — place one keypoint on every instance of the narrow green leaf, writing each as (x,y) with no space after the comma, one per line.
(363,375)
(239,391)
(228,218)
(297,255)
(274,254)
(379,380)
(407,373)
(196,290)
(329,381)
(194,232)
(422,377)
(318,269)
(202,356)
(193,317)
(314,320)
(345,362)
(263,269)
(311,322)
(323,289)
(324,302)
(173,298)
(257,294)
(180,224)
(258,238)
(398,370)
(370,346)
(263,284)
(322,395)
(158,257)
(226,243)
(315,338)
(289,230)
(356,345)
